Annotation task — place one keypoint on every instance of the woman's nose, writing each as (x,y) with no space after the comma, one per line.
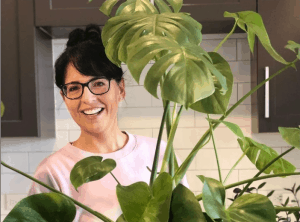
(87,94)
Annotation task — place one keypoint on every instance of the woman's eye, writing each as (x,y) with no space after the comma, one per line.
(73,88)
(99,84)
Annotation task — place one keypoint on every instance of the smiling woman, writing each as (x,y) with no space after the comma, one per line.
(92,87)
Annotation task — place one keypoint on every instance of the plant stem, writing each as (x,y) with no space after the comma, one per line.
(199,197)
(225,39)
(156,156)
(278,209)
(170,141)
(263,169)
(97,214)
(115,179)
(181,171)
(237,162)
(216,153)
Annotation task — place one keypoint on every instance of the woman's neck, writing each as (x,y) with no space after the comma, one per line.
(106,142)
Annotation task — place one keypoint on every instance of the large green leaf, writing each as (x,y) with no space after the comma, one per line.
(189,79)
(43,207)
(136,6)
(107,6)
(185,206)
(255,26)
(159,206)
(121,31)
(162,6)
(2,108)
(133,200)
(260,155)
(217,103)
(295,47)
(290,135)
(139,204)
(252,207)
(176,4)
(214,198)
(90,169)
(121,218)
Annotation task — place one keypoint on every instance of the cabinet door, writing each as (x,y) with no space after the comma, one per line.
(56,13)
(210,13)
(282,21)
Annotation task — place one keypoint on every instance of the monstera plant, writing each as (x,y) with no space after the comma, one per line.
(194,79)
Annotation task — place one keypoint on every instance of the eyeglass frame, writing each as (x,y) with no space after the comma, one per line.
(86,85)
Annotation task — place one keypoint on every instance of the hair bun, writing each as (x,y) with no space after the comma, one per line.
(75,37)
(93,33)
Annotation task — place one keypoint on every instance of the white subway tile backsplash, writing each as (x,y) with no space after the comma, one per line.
(35,159)
(243,89)
(74,135)
(13,199)
(62,138)
(221,36)
(142,132)
(227,51)
(243,50)
(16,160)
(240,71)
(136,96)
(12,183)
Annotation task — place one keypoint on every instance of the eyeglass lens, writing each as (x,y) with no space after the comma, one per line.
(98,86)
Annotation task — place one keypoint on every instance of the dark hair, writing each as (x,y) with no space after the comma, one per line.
(86,52)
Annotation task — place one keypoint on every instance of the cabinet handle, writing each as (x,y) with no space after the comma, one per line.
(267,91)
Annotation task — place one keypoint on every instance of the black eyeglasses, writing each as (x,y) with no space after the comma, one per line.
(97,86)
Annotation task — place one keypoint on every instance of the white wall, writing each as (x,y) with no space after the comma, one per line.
(142,115)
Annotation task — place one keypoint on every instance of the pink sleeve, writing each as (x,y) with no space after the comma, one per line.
(44,175)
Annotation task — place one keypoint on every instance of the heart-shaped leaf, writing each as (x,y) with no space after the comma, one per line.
(214,199)
(290,135)
(90,169)
(255,26)
(217,103)
(43,207)
(107,6)
(185,206)
(139,204)
(189,79)
(176,4)
(295,47)
(266,155)
(158,207)
(252,207)
(232,126)
(121,31)
(133,200)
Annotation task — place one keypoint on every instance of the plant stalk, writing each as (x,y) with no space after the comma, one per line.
(170,141)
(115,178)
(278,209)
(216,153)
(156,156)
(184,166)
(97,214)
(237,162)
(263,169)
(225,39)
(199,197)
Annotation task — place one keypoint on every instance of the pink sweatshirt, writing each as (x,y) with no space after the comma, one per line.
(100,195)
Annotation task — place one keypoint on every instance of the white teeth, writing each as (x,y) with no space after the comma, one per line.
(92,111)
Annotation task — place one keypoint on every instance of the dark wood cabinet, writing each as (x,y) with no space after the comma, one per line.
(27,89)
(282,21)
(62,16)
(210,13)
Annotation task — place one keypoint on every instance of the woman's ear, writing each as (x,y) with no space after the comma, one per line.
(122,89)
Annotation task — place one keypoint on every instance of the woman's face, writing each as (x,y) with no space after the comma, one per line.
(107,119)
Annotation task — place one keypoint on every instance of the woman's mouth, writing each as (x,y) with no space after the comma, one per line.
(93,112)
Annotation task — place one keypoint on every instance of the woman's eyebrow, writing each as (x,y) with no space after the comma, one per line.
(98,77)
